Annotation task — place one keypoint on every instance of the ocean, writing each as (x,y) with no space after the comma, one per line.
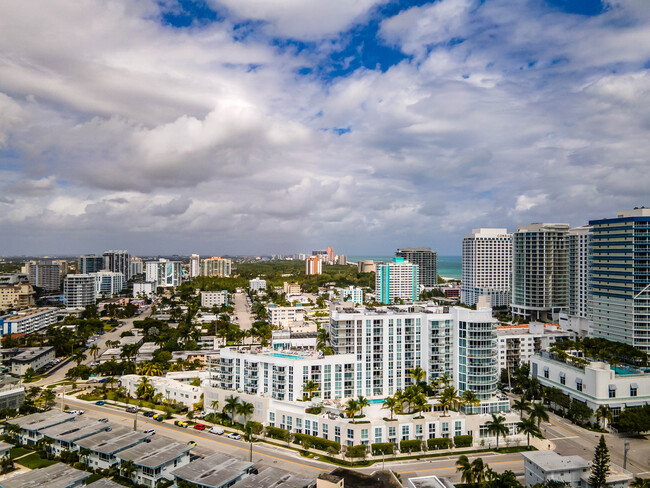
(448,266)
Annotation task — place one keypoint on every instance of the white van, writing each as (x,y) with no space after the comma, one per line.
(216,430)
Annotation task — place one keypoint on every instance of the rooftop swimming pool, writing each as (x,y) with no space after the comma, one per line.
(287,356)
(624,371)
(375,401)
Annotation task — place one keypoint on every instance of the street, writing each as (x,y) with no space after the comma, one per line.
(242,312)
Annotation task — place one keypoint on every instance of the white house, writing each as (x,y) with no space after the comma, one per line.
(104,446)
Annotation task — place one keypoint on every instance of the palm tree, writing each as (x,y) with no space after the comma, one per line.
(48,397)
(94,350)
(641,483)
(145,389)
(449,398)
(149,369)
(246,410)
(420,403)
(231,406)
(605,414)
(522,405)
(478,470)
(79,357)
(497,426)
(83,454)
(465,468)
(444,380)
(361,403)
(470,398)
(390,403)
(127,468)
(539,412)
(214,405)
(351,408)
(418,374)
(309,388)
(529,427)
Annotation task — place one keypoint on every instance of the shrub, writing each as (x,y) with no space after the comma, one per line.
(439,443)
(277,433)
(356,451)
(463,441)
(412,446)
(314,410)
(317,442)
(382,448)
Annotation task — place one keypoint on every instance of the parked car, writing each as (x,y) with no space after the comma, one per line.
(131,409)
(191,443)
(149,414)
(103,380)
(75,412)
(159,417)
(234,435)
(103,420)
(216,430)
(199,427)
(180,423)
(100,402)
(150,431)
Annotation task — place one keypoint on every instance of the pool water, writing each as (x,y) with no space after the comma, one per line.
(375,401)
(623,371)
(288,356)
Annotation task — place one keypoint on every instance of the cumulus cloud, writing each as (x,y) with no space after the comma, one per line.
(120,129)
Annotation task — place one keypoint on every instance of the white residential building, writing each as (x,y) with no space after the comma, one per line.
(65,435)
(596,384)
(27,321)
(352,294)
(136,266)
(195,265)
(487,262)
(109,283)
(144,288)
(543,466)
(31,357)
(171,389)
(214,298)
(396,280)
(285,316)
(578,244)
(104,446)
(79,290)
(163,272)
(517,343)
(257,284)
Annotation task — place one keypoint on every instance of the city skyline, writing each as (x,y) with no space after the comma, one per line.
(184,126)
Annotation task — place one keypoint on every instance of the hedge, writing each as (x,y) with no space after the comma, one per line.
(356,451)
(277,433)
(463,441)
(382,448)
(412,446)
(317,442)
(439,443)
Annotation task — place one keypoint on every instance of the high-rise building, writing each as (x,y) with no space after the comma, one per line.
(195,265)
(136,266)
(90,263)
(487,261)
(427,262)
(341,260)
(257,284)
(352,294)
(79,290)
(398,279)
(367,266)
(330,254)
(578,244)
(109,283)
(163,272)
(313,265)
(216,266)
(45,274)
(118,261)
(320,253)
(619,278)
(540,271)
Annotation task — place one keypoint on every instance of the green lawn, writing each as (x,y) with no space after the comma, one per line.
(18,451)
(33,461)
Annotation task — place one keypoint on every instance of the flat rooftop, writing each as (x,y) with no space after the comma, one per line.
(274,478)
(552,461)
(56,476)
(104,483)
(430,482)
(41,420)
(77,429)
(116,440)
(31,353)
(155,453)
(215,470)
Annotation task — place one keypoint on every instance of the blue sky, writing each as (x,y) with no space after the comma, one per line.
(248,126)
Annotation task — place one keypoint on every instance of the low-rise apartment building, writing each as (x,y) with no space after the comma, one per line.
(12,392)
(215,471)
(31,357)
(16,296)
(58,475)
(257,284)
(104,446)
(284,316)
(156,460)
(170,389)
(65,435)
(214,298)
(595,384)
(31,425)
(291,288)
(27,321)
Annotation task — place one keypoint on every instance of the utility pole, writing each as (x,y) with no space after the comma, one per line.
(135,419)
(62,397)
(626,447)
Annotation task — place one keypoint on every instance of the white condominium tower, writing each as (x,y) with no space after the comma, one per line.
(195,265)
(540,271)
(578,245)
(487,262)
(163,272)
(396,280)
(118,261)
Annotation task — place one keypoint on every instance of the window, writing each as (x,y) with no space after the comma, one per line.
(579,385)
(562,379)
(545,372)
(612,391)
(633,390)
